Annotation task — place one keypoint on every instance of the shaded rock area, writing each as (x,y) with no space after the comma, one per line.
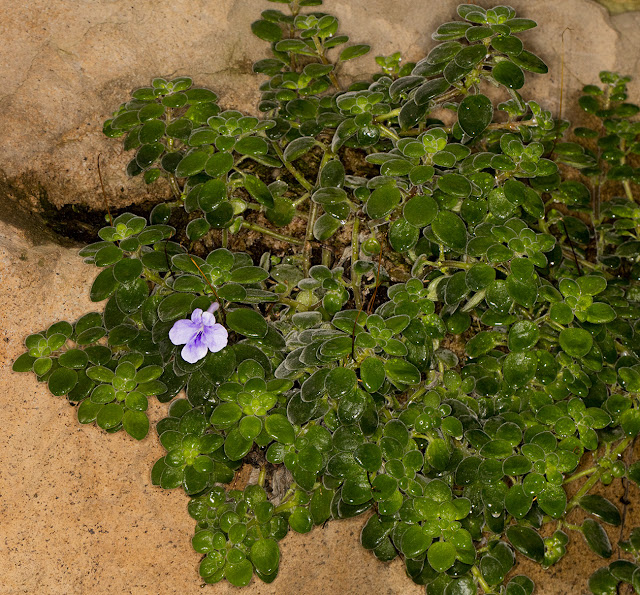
(79,514)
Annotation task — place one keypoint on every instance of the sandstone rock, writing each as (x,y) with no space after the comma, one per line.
(66,66)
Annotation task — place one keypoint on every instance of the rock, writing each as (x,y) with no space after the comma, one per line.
(67,66)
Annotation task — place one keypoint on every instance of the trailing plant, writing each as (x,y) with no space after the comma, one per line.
(441,333)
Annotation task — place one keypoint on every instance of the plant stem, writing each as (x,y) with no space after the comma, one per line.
(332,74)
(388,132)
(392,114)
(175,187)
(154,278)
(511,125)
(327,257)
(306,253)
(298,201)
(273,234)
(355,250)
(585,263)
(579,475)
(292,170)
(625,183)
(448,263)
(225,238)
(596,476)
(478,576)
(292,303)
(262,476)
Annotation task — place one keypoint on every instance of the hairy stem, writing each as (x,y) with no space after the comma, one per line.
(355,250)
(306,253)
(596,476)
(292,170)
(273,234)
(478,576)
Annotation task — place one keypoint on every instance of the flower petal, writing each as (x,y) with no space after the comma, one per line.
(196,316)
(208,319)
(183,331)
(194,350)
(213,307)
(216,337)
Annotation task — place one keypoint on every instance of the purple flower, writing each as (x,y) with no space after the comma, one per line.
(200,334)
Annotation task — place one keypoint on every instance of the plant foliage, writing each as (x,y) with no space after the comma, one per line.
(445,369)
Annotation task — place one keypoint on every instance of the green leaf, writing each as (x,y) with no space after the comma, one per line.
(450,230)
(24,363)
(298,147)
(259,190)
(441,555)
(519,368)
(267,31)
(475,113)
(340,382)
(177,305)
(517,501)
(530,62)
(576,341)
(372,374)
(507,44)
(596,537)
(279,428)
(192,164)
(248,275)
(104,286)
(325,226)
(373,533)
(630,422)
(218,164)
(420,210)
(354,51)
(401,372)
(382,201)
(265,555)
(602,582)
(62,381)
(226,415)
(553,500)
(455,185)
(110,416)
(240,574)
(508,74)
(431,89)
(527,542)
(135,423)
(523,335)
(368,456)
(247,322)
(463,585)
(602,508)
(402,235)
(300,520)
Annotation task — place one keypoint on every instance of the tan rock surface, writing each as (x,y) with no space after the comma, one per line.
(67,65)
